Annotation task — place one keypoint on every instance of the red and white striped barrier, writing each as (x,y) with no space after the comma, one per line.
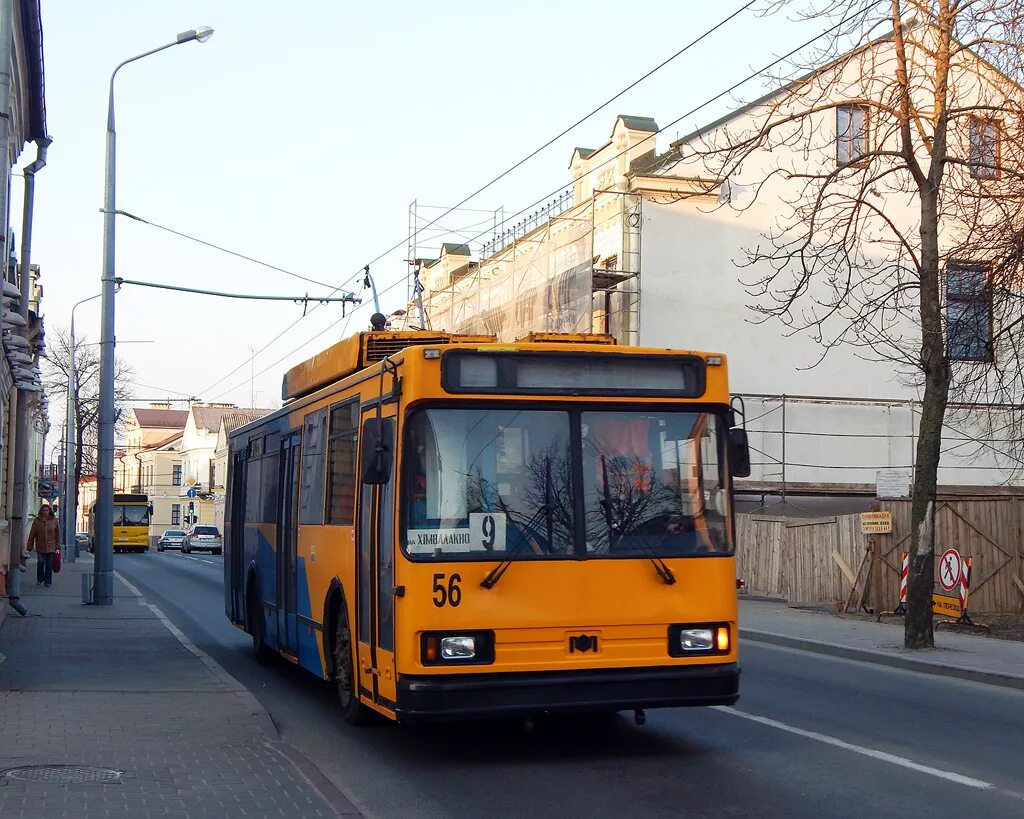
(904,573)
(965,585)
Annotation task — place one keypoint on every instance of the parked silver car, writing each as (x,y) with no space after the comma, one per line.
(204,539)
(171,539)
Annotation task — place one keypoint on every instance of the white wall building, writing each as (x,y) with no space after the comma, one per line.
(645,246)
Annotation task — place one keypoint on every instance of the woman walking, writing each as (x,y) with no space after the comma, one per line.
(44,536)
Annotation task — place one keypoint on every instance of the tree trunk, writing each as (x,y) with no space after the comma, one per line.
(918,626)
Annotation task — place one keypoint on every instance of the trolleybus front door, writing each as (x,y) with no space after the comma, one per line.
(287,520)
(375,538)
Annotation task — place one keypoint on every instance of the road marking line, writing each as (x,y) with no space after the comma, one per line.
(874,753)
(189,557)
(211,562)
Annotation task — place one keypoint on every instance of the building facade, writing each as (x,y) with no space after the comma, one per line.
(22,62)
(649,247)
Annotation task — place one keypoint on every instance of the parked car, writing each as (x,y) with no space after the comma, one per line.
(171,539)
(203,538)
(83,542)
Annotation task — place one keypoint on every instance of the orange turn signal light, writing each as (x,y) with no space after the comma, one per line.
(430,649)
(722,638)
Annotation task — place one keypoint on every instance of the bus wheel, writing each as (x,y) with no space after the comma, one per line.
(352,709)
(264,654)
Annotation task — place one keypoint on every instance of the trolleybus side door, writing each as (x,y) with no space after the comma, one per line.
(375,556)
(287,532)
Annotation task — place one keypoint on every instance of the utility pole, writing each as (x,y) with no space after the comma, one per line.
(252,376)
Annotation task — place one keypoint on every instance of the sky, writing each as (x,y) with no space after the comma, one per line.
(299,134)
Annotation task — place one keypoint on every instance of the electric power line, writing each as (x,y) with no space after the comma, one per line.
(448,210)
(235,253)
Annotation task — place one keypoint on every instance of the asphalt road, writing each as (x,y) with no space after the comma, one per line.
(812,736)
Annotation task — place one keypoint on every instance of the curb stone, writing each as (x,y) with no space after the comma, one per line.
(882,658)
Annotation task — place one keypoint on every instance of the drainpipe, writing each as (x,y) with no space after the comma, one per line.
(19,509)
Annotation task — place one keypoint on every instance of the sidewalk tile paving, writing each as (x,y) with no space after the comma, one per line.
(110,687)
(957,655)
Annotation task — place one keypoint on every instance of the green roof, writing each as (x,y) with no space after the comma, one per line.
(584,152)
(454,249)
(638,123)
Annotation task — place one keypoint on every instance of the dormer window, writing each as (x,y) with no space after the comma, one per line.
(851,134)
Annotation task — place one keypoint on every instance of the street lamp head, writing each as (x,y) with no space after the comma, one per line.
(200,35)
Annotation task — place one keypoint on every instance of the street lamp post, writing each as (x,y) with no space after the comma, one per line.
(70,478)
(103,581)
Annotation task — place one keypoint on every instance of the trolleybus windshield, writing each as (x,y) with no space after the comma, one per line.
(505,483)
(131,515)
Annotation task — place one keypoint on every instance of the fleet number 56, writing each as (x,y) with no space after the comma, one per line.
(449,594)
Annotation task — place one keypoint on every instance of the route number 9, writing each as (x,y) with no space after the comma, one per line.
(489,528)
(450,595)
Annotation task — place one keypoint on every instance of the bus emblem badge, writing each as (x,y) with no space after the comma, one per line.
(582,643)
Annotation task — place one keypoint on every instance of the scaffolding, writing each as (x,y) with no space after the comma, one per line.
(575,271)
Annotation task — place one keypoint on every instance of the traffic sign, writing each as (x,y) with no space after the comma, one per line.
(950,569)
(191,493)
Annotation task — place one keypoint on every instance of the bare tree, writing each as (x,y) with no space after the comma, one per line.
(893,170)
(85,397)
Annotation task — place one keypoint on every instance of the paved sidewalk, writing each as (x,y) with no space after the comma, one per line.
(998,662)
(113,688)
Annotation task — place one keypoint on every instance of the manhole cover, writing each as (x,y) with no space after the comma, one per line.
(62,774)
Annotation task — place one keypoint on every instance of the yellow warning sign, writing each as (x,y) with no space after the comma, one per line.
(876,523)
(943,604)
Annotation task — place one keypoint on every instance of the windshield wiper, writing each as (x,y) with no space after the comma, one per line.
(494,575)
(662,569)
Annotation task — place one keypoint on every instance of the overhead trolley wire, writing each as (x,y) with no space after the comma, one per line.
(735,86)
(448,210)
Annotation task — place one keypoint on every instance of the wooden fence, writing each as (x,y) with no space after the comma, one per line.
(816,560)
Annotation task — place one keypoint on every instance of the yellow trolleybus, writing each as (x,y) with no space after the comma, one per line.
(131,523)
(448,527)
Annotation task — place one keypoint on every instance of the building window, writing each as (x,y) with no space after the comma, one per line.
(984,148)
(176,476)
(968,312)
(341,475)
(175,514)
(851,134)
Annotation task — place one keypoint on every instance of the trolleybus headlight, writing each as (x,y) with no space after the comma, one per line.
(686,639)
(696,639)
(458,648)
(465,648)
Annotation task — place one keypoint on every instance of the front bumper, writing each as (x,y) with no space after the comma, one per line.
(463,696)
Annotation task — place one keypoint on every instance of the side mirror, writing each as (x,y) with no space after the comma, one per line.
(150,509)
(378,449)
(739,453)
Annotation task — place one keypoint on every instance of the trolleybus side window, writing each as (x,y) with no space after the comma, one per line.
(270,478)
(489,482)
(314,446)
(253,508)
(341,473)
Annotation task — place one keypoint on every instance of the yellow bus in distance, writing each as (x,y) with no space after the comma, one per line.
(131,523)
(448,527)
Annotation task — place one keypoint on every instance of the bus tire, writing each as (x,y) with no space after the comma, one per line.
(354,712)
(263,653)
